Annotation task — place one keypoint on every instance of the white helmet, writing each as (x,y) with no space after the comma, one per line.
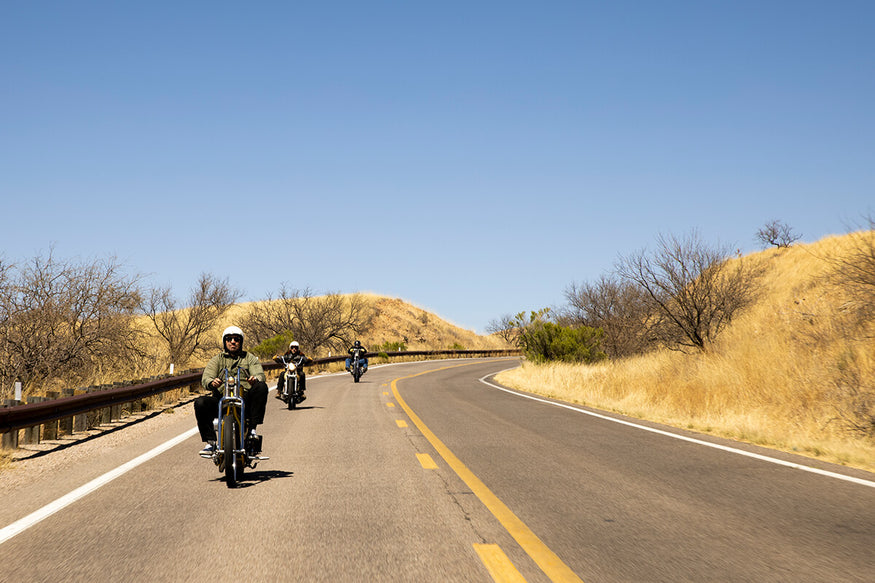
(294,343)
(231,330)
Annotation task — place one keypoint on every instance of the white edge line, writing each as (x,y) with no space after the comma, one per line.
(19,526)
(780,462)
(31,519)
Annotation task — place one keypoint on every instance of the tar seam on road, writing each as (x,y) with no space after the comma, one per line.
(726,448)
(546,559)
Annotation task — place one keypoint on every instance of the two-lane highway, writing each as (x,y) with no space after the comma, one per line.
(422,472)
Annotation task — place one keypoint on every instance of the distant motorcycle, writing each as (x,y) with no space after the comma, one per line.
(291,393)
(356,364)
(235,450)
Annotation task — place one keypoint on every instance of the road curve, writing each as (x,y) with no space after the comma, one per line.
(364,484)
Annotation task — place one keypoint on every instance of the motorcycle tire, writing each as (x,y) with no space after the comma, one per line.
(356,374)
(293,397)
(233,468)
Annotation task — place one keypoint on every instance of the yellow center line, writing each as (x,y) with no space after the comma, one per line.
(547,560)
(498,565)
(426,461)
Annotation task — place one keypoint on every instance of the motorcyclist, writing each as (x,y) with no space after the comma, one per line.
(254,388)
(294,352)
(357,345)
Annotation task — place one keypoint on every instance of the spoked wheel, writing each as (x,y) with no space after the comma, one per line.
(233,467)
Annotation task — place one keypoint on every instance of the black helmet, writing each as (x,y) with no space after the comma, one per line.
(357,344)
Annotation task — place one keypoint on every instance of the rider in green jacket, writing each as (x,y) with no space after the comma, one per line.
(252,384)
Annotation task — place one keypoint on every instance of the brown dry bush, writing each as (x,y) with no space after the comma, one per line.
(185,329)
(65,321)
(790,371)
(692,290)
(330,322)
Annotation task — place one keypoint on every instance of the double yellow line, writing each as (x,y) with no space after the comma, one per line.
(546,559)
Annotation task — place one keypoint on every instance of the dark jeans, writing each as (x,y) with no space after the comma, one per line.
(364,363)
(206,408)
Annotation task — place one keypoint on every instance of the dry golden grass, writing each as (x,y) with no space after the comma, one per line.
(393,320)
(6,457)
(396,320)
(780,376)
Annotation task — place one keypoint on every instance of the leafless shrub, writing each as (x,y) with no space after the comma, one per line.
(64,319)
(513,328)
(778,234)
(331,321)
(185,328)
(619,307)
(853,396)
(854,274)
(505,327)
(693,290)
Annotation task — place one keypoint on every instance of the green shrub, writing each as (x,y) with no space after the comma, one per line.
(391,347)
(271,347)
(457,346)
(546,341)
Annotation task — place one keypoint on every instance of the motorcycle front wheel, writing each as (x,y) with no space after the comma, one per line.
(293,398)
(233,468)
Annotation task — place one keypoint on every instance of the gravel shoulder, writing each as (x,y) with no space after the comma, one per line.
(32,463)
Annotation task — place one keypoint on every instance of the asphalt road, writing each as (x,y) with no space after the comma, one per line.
(424,473)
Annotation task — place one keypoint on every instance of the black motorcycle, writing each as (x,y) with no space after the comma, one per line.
(356,364)
(291,394)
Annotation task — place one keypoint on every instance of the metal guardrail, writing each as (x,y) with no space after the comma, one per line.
(23,416)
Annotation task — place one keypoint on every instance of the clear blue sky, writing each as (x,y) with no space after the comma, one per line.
(477,157)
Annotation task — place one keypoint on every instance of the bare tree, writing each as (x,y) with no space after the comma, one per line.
(619,307)
(854,272)
(693,290)
(184,328)
(327,322)
(65,320)
(778,234)
(504,327)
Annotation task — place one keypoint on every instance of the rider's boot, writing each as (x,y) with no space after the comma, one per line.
(253,441)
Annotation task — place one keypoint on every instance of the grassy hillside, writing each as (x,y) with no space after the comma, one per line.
(794,372)
(396,320)
(390,320)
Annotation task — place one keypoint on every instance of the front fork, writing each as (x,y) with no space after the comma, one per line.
(237,407)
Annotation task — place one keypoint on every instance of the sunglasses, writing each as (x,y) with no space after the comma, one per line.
(234,338)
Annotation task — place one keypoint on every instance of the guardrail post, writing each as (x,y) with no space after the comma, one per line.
(105,414)
(115,411)
(95,416)
(65,425)
(195,387)
(136,405)
(80,421)
(31,434)
(50,429)
(10,438)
